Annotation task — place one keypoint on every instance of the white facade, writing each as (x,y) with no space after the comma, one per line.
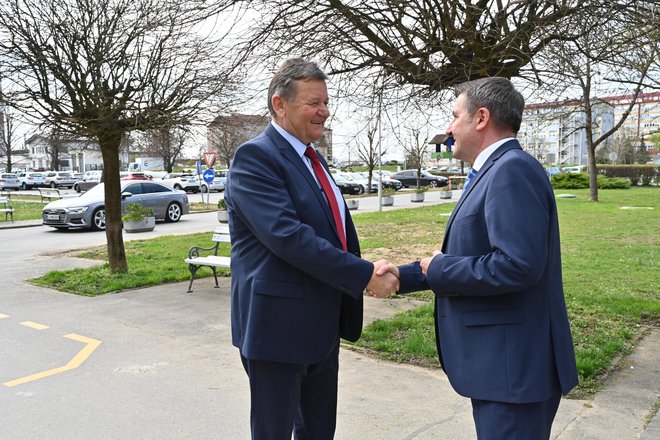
(554,132)
(76,155)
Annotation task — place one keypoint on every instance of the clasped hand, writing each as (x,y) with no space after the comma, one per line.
(384,280)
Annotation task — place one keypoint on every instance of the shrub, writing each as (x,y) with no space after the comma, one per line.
(570,181)
(135,212)
(613,183)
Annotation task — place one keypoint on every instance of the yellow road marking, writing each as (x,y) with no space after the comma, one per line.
(3,316)
(34,325)
(75,362)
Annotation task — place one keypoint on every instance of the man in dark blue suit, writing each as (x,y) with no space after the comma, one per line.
(297,279)
(501,324)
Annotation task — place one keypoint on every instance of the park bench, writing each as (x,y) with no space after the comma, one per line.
(195,260)
(5,206)
(51,194)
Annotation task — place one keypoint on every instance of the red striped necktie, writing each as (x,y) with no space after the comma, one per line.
(329,193)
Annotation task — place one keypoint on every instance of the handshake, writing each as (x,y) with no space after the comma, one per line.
(384,280)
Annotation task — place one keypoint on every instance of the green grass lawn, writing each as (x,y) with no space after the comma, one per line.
(26,207)
(610,267)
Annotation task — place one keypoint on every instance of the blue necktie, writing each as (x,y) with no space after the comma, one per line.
(469,178)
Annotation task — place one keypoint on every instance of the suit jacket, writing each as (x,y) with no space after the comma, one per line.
(501,323)
(294,290)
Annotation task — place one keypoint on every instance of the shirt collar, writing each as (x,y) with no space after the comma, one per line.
(294,141)
(485,154)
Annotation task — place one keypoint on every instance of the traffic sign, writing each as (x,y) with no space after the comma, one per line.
(208,175)
(209,158)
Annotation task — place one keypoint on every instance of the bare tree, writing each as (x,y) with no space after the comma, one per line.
(367,149)
(426,43)
(8,128)
(227,133)
(166,143)
(416,151)
(101,68)
(607,57)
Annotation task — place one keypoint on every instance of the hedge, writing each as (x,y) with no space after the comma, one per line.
(581,181)
(643,175)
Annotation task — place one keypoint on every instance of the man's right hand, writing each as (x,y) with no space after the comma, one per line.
(384,280)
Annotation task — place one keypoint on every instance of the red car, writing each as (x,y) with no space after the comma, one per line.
(134,176)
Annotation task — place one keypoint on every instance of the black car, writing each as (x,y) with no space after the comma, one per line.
(347,185)
(409,178)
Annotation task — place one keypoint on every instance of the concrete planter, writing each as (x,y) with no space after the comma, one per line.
(445,194)
(387,201)
(147,224)
(223,216)
(417,197)
(352,204)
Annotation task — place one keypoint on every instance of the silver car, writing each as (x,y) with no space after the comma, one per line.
(29,180)
(88,210)
(8,181)
(58,179)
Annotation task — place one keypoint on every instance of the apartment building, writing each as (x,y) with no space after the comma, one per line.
(554,132)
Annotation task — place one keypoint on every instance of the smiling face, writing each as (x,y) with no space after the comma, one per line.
(304,115)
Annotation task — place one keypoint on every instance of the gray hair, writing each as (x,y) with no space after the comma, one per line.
(498,95)
(284,82)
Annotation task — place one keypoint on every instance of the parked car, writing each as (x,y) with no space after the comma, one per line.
(29,180)
(387,181)
(576,169)
(137,175)
(346,184)
(182,181)
(89,180)
(363,178)
(8,181)
(218,183)
(59,179)
(88,209)
(409,178)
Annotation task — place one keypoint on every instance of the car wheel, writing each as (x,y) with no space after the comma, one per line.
(53,185)
(205,189)
(178,187)
(76,187)
(24,186)
(98,219)
(433,184)
(173,213)
(361,190)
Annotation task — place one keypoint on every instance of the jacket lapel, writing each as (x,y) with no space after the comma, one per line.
(289,153)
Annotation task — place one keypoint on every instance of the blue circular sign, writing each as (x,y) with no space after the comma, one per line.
(208,175)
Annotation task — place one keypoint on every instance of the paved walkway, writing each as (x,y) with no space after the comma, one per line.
(386,400)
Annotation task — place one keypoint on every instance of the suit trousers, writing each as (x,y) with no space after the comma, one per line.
(514,421)
(296,398)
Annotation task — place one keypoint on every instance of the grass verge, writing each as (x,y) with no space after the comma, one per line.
(610,267)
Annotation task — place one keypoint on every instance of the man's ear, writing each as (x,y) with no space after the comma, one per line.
(483,118)
(278,105)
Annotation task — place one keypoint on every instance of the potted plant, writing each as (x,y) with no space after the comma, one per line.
(388,197)
(223,215)
(137,218)
(418,195)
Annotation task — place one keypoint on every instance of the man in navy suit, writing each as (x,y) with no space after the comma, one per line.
(297,279)
(501,324)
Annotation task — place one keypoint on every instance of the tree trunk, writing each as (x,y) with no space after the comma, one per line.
(113,232)
(591,168)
